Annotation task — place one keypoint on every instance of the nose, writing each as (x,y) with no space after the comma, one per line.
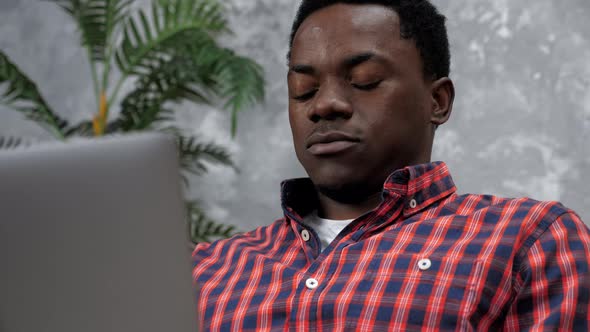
(330,103)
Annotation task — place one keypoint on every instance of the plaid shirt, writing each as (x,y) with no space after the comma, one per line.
(424,259)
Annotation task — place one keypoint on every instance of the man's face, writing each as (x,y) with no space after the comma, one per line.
(359,104)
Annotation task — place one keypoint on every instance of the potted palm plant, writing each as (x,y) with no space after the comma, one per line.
(170,53)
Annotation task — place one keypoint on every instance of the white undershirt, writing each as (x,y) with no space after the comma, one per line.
(327,229)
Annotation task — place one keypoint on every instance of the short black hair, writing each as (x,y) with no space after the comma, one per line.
(419,21)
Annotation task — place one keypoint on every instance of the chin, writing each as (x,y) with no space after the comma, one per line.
(334,176)
(345,180)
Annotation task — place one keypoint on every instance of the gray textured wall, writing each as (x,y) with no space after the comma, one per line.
(520,126)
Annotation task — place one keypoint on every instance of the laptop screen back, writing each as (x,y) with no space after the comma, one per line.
(93,238)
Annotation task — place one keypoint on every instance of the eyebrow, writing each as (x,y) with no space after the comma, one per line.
(302,69)
(357,59)
(349,62)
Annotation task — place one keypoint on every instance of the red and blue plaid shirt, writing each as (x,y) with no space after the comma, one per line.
(424,259)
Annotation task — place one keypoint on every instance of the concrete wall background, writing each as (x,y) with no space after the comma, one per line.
(520,126)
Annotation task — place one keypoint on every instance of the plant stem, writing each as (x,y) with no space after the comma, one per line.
(117,89)
(107,70)
(94,77)
(108,57)
(104,101)
(99,121)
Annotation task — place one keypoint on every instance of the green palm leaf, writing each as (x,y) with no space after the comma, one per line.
(194,155)
(11,142)
(203,229)
(83,128)
(172,80)
(146,41)
(237,80)
(141,111)
(97,21)
(240,82)
(22,95)
(197,71)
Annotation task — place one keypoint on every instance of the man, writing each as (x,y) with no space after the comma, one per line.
(377,238)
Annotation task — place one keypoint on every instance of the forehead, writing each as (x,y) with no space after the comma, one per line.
(346,28)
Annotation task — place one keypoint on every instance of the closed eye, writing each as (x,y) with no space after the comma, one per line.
(366,87)
(305,96)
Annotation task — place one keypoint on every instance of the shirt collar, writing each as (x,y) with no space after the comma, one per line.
(418,186)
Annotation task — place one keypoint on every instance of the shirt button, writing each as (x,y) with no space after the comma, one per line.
(305,235)
(424,264)
(311,283)
(413,204)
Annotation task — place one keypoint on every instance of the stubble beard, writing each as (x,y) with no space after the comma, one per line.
(354,193)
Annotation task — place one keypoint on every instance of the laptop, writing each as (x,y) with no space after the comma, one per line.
(93,238)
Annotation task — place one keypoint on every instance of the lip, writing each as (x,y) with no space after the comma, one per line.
(330,143)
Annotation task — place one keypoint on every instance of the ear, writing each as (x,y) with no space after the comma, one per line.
(443,95)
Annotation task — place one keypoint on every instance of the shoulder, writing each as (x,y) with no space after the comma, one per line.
(221,257)
(259,237)
(524,218)
(493,208)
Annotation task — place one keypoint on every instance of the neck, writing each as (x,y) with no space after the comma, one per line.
(332,209)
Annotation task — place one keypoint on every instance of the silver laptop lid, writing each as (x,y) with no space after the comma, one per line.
(93,238)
